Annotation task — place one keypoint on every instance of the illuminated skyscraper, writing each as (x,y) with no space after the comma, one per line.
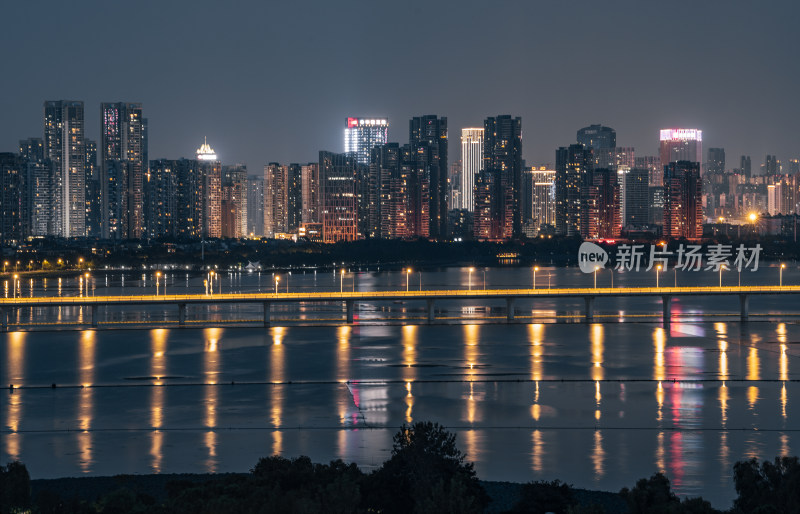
(471,164)
(542,196)
(310,192)
(339,209)
(64,148)
(683,207)
(362,134)
(498,189)
(680,145)
(122,170)
(602,141)
(402,211)
(234,201)
(211,173)
(13,225)
(603,206)
(37,196)
(163,198)
(574,165)
(428,140)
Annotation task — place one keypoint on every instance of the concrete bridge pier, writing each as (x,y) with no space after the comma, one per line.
(510,309)
(431,313)
(267,313)
(666,306)
(744,304)
(589,307)
(94,316)
(181,314)
(349,304)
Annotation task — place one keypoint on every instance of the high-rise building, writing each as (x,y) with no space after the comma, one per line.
(190,218)
(294,198)
(602,141)
(771,166)
(64,148)
(93,218)
(498,189)
(234,201)
(683,208)
(402,209)
(275,199)
(603,218)
(794,166)
(37,194)
(745,165)
(715,165)
(255,206)
(211,173)
(163,198)
(454,194)
(339,209)
(362,134)
(574,165)
(310,184)
(471,164)
(13,223)
(428,140)
(122,170)
(542,196)
(597,136)
(654,170)
(681,145)
(635,205)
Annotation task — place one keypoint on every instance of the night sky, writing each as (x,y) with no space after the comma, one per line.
(274,81)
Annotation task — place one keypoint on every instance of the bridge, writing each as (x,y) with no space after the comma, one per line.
(430,297)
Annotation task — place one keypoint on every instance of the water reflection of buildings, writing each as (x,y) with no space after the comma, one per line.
(158,370)
(86,361)
(15,371)
(476,394)
(211,359)
(409,341)
(277,377)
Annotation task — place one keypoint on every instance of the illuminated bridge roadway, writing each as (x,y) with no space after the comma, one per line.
(10,305)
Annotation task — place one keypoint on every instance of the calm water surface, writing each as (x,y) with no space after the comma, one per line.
(597,405)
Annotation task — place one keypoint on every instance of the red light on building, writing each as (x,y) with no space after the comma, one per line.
(352,122)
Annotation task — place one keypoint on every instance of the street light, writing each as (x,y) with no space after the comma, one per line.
(277,279)
(595,276)
(658,268)
(14,285)
(470,278)
(720,275)
(80,262)
(535,269)
(780,282)
(158,277)
(341,281)
(408,273)
(5,263)
(211,280)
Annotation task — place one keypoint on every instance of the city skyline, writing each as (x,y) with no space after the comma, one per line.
(255,121)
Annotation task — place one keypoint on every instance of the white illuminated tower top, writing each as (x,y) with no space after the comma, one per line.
(681,145)
(362,134)
(205,152)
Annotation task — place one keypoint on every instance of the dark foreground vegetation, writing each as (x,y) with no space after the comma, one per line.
(426,473)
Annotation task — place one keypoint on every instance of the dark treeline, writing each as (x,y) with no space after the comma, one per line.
(51,255)
(425,473)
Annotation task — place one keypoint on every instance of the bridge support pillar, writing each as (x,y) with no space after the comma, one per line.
(4,317)
(267,313)
(666,307)
(589,307)
(349,304)
(744,304)
(431,313)
(181,314)
(510,309)
(94,316)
